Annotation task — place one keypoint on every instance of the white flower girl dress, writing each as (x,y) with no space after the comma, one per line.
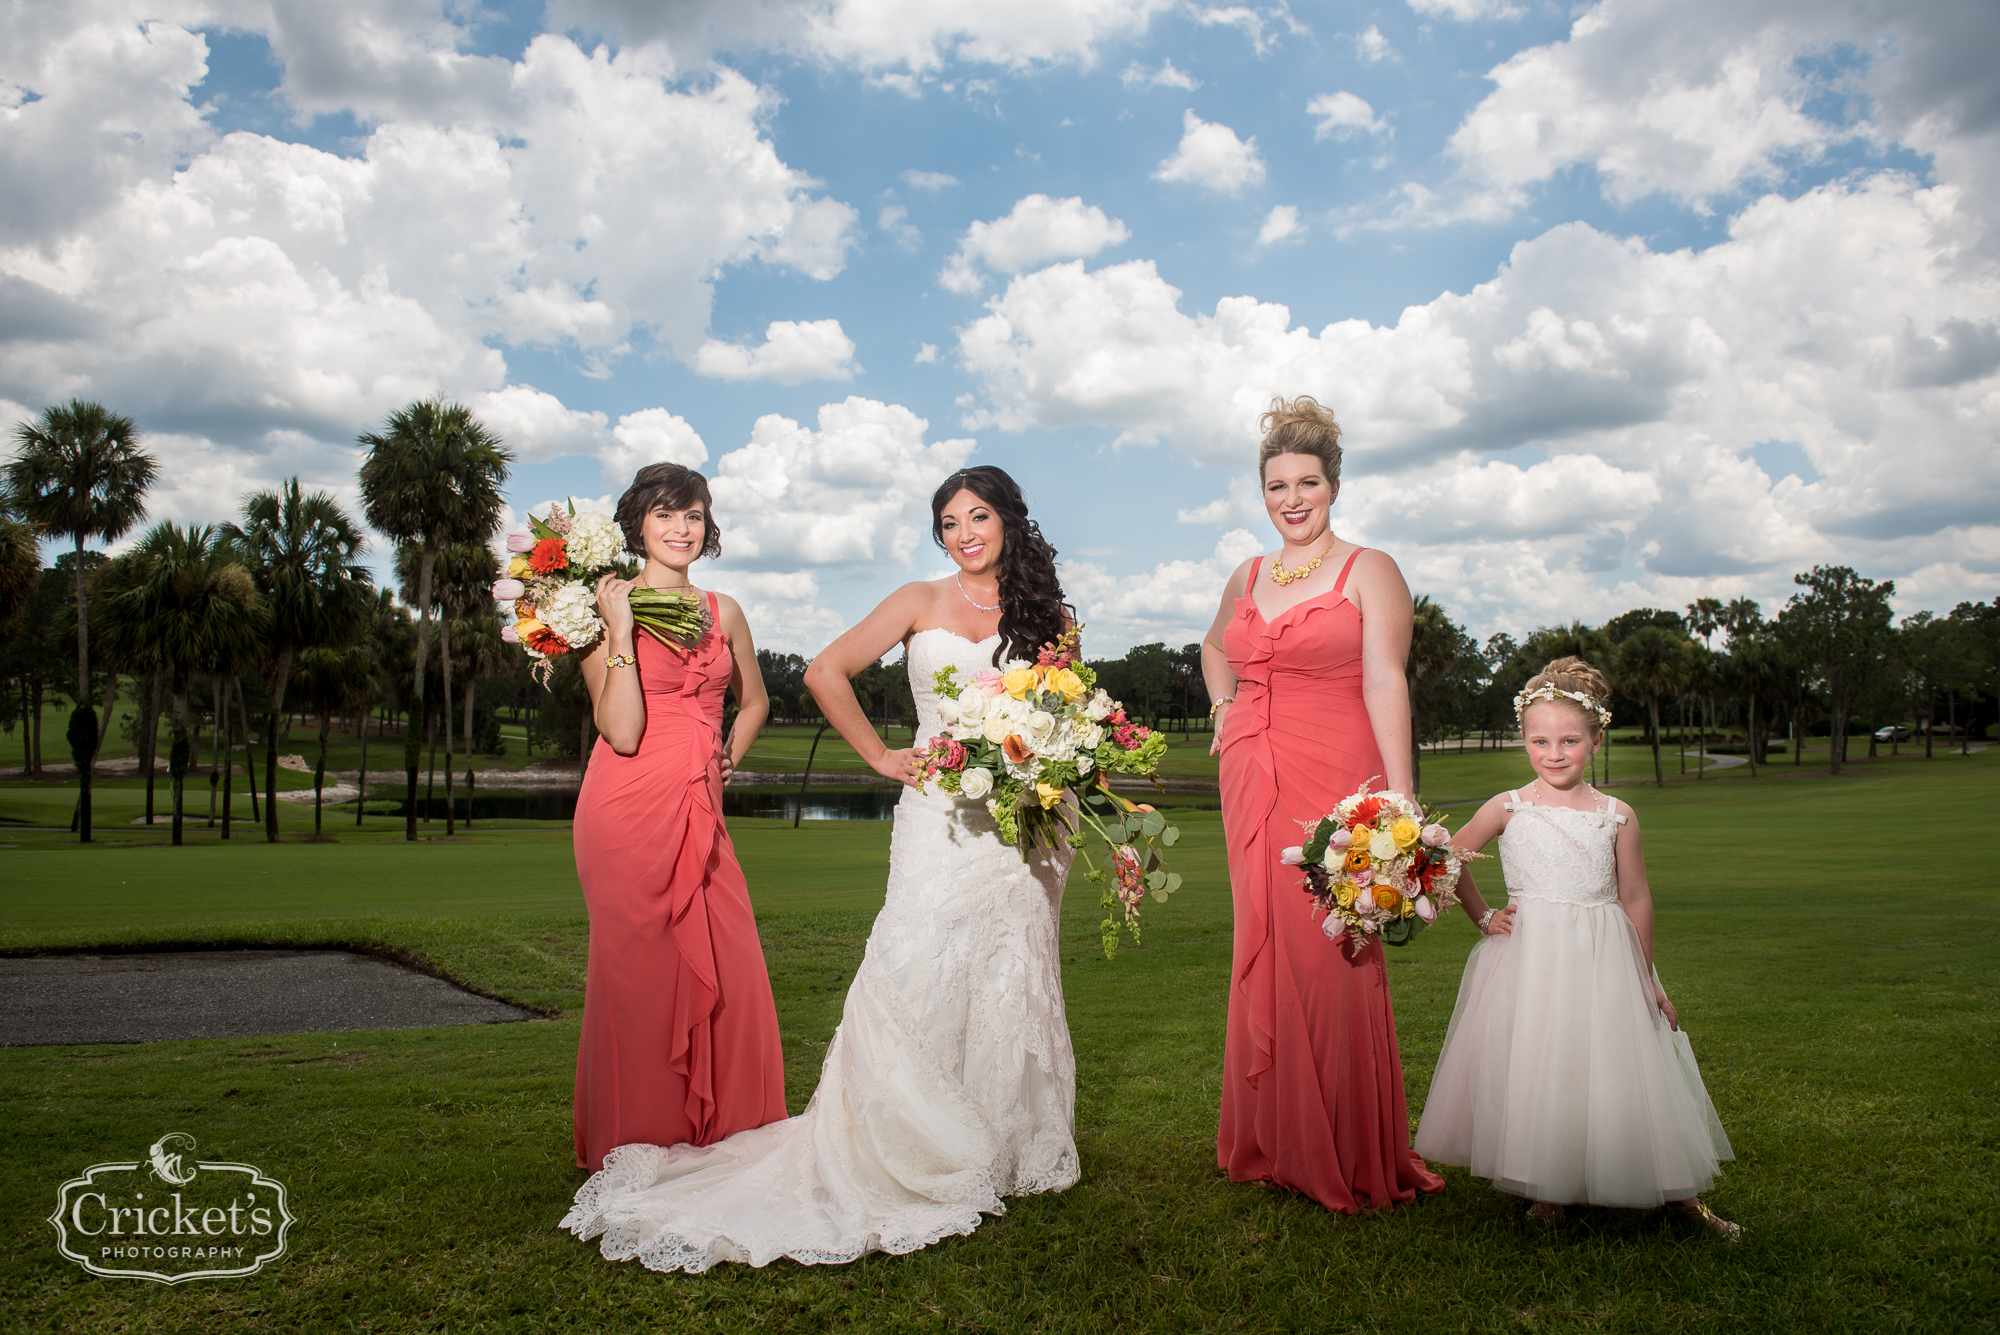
(1560,1079)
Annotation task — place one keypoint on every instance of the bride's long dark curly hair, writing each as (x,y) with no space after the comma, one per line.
(1031,595)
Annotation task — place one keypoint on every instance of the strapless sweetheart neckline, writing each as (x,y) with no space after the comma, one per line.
(945,630)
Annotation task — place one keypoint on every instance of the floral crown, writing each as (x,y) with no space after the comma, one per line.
(1551,691)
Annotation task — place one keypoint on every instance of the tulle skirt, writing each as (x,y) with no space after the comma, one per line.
(1560,1080)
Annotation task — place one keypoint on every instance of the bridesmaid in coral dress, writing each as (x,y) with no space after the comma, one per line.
(680,1034)
(1305,666)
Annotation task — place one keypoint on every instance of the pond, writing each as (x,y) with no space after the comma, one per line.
(875,803)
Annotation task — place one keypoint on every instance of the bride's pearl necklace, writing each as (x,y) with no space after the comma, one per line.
(959,579)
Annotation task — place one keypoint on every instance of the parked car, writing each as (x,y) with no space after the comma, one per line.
(1895,732)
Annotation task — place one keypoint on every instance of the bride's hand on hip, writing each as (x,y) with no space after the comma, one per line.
(614,604)
(898,765)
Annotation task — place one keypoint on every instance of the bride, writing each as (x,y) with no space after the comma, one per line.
(950,1082)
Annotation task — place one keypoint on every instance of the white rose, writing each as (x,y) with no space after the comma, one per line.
(1040,729)
(1085,763)
(971,706)
(965,732)
(1093,737)
(975,783)
(947,709)
(1098,708)
(1382,846)
(996,730)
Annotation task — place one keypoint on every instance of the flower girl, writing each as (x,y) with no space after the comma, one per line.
(1564,1077)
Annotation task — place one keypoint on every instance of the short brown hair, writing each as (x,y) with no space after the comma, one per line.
(1300,426)
(675,486)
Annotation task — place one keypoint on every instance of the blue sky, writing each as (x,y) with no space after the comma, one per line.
(1620,304)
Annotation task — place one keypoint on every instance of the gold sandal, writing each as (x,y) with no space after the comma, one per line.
(1695,1212)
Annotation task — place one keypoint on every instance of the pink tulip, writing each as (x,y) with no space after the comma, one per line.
(1426,909)
(1341,839)
(507,590)
(509,634)
(1333,927)
(1293,857)
(520,542)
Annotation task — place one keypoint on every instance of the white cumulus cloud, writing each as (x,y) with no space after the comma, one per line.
(793,351)
(1280,224)
(1342,115)
(1036,230)
(1166,76)
(1211,156)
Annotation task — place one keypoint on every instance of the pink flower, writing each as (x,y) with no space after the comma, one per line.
(1426,908)
(1434,835)
(947,753)
(1127,870)
(507,590)
(1362,877)
(1293,857)
(509,634)
(1341,839)
(520,542)
(987,682)
(1334,928)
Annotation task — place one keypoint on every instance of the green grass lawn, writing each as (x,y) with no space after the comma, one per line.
(1833,946)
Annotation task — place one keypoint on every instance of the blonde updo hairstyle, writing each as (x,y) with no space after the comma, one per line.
(1573,674)
(1300,426)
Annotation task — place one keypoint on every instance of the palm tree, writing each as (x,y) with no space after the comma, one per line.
(198,606)
(431,479)
(331,679)
(78,471)
(1649,665)
(464,575)
(1436,643)
(386,641)
(486,656)
(125,637)
(20,568)
(301,550)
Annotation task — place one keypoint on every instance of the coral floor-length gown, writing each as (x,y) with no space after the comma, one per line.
(1312,1089)
(680,1034)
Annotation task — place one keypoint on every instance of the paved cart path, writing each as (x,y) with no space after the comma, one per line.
(145,998)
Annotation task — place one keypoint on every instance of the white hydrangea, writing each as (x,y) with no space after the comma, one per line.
(594,541)
(570,613)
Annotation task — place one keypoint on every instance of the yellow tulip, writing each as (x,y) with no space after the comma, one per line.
(1018,682)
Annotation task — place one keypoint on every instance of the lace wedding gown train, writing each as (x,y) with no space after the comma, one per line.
(949,1084)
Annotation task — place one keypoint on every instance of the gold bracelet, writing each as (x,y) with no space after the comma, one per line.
(1225,700)
(620,660)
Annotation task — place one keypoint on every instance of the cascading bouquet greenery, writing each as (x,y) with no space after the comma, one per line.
(551,584)
(1380,866)
(1023,737)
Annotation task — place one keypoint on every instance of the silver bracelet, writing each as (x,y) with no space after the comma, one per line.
(1485,918)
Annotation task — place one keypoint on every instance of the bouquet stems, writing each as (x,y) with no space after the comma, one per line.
(677,618)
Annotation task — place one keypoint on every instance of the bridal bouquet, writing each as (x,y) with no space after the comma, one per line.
(551,582)
(1020,738)
(1379,867)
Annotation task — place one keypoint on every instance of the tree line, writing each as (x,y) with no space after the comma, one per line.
(234,626)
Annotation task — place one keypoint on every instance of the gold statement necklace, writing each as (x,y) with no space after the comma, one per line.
(1281,576)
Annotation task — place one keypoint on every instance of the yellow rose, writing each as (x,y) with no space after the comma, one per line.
(518,568)
(1049,796)
(1068,683)
(1343,894)
(1406,833)
(1018,682)
(1409,908)
(1382,845)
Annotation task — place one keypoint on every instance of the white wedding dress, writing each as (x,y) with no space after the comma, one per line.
(949,1084)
